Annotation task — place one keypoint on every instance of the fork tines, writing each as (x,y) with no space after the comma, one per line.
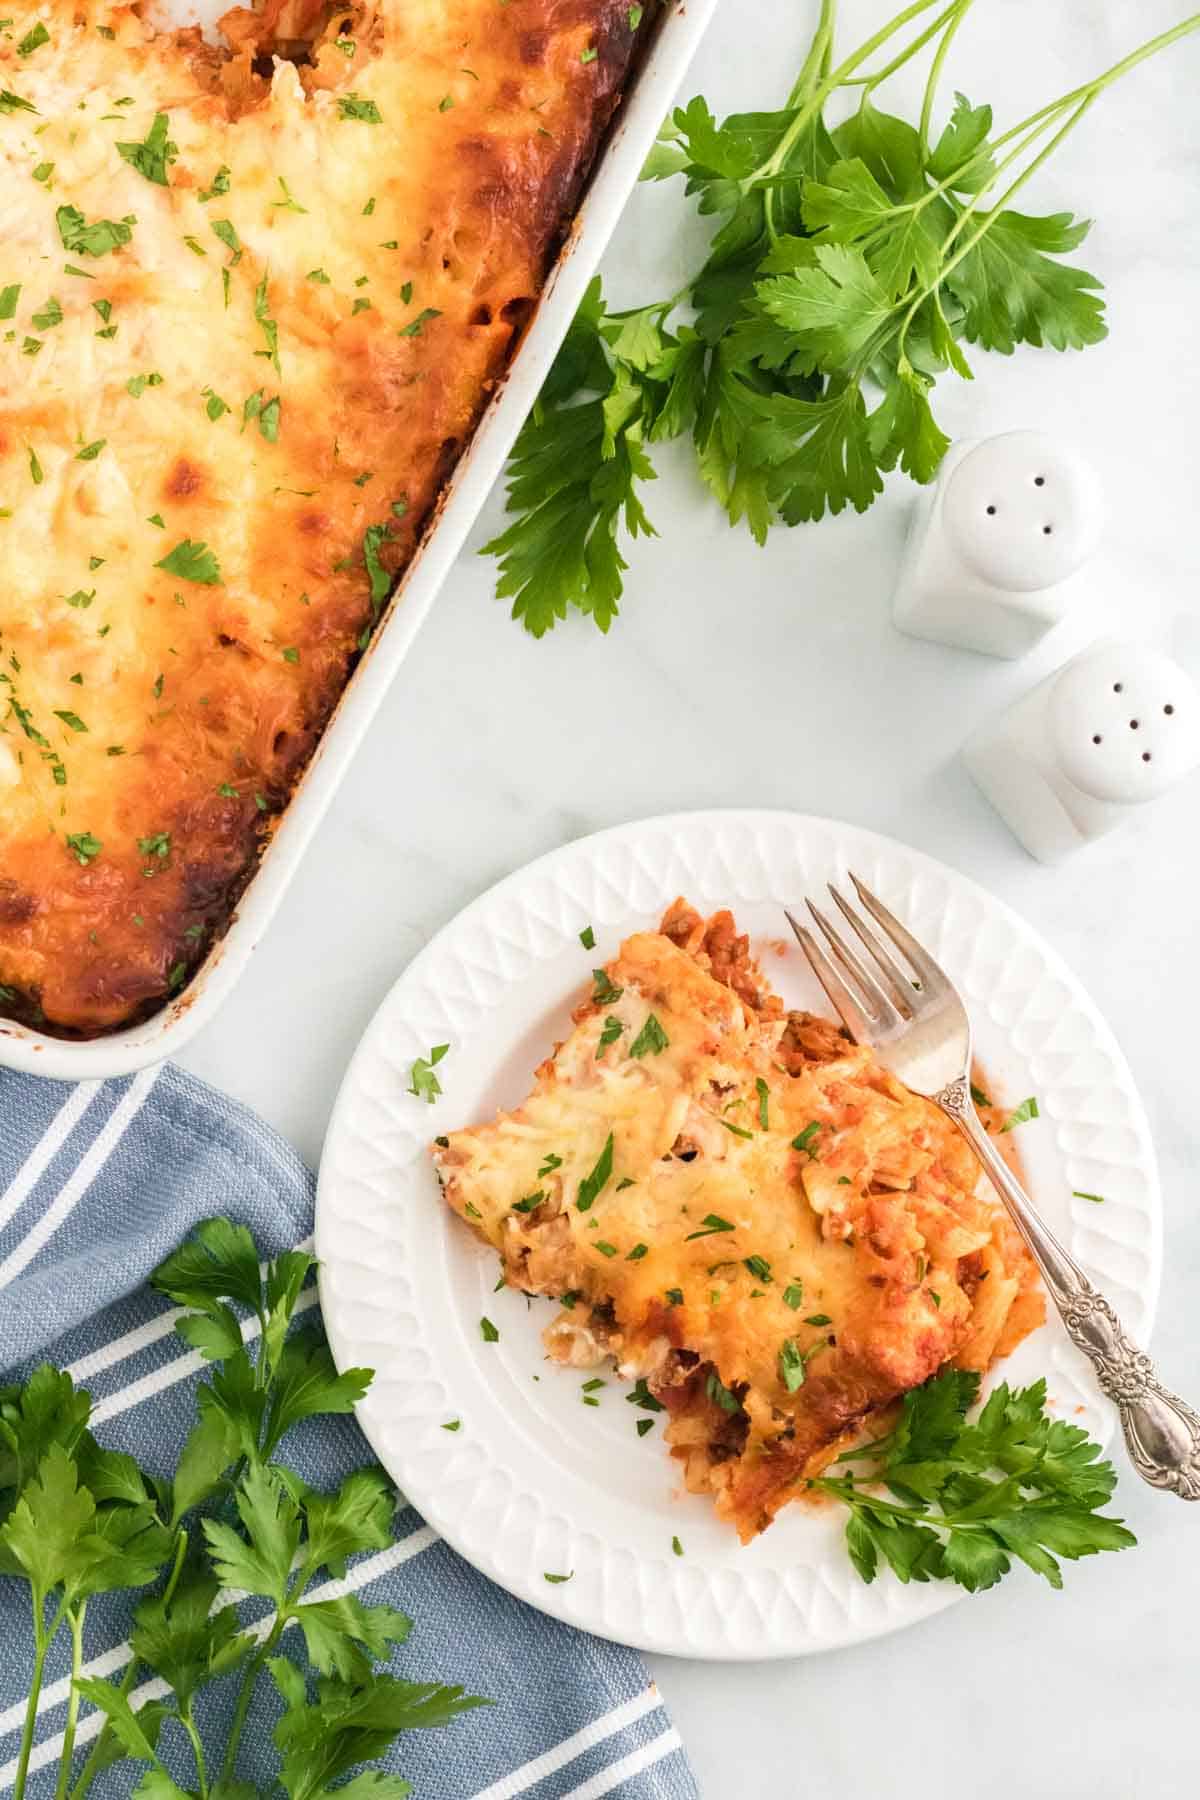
(874,996)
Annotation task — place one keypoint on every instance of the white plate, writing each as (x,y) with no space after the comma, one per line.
(533,1481)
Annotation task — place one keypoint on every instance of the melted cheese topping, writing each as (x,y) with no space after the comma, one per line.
(230,397)
(780,1242)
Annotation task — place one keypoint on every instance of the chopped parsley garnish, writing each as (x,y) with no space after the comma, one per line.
(44,171)
(640,1395)
(289,203)
(136,386)
(192,562)
(643,1426)
(369,208)
(637,1253)
(759,1267)
(214,406)
(488,1332)
(270,329)
(96,239)
(267,412)
(352,106)
(569,1298)
(791,1365)
(674,1296)
(380,577)
(609,1035)
(593,1185)
(71,719)
(10,102)
(290,653)
(651,1040)
(736,1130)
(676,1546)
(423,1083)
(978,1096)
(1020,1115)
(551,1163)
(152,156)
(417,325)
(84,846)
(159,844)
(793,1295)
(603,991)
(90,452)
(587,938)
(529,1202)
(81,599)
(104,308)
(818,1319)
(8,300)
(589,55)
(713,1223)
(452,1425)
(49,315)
(318,275)
(635,16)
(595,1382)
(1096,1199)
(556,1578)
(805,1139)
(35,469)
(406,294)
(720,1395)
(764,1095)
(220,185)
(360,305)
(225,230)
(33,40)
(472,1211)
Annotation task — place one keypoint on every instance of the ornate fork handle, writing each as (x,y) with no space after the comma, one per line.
(1162,1432)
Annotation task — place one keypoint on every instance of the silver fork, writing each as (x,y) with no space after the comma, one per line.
(906,1008)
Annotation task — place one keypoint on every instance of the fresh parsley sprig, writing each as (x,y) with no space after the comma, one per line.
(968,1499)
(850,264)
(77,1519)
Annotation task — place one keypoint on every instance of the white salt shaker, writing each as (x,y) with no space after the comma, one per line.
(1089,747)
(994,543)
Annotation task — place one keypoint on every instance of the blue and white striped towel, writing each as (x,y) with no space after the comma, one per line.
(97,1183)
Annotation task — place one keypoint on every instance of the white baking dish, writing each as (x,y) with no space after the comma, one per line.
(650,94)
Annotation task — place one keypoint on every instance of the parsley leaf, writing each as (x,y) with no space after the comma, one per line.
(593,1185)
(651,1040)
(971,1497)
(352,106)
(423,1084)
(96,239)
(152,156)
(1021,1115)
(192,562)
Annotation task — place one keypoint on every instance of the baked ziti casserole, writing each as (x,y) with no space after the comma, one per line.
(745,1211)
(253,299)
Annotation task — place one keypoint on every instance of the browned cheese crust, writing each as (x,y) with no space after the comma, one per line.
(276,354)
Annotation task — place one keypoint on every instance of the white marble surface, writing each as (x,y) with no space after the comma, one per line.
(773,678)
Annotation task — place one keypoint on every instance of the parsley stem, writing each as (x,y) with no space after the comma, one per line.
(815,63)
(75,1620)
(868,82)
(835,79)
(41,1643)
(185,1719)
(935,75)
(94,1763)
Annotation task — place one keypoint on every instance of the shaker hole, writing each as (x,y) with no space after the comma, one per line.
(991,511)
(1046,530)
(1133,724)
(1145,756)
(1039,481)
(1117,686)
(1168,710)
(1097,739)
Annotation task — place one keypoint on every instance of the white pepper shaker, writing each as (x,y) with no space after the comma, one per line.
(1087,749)
(994,543)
